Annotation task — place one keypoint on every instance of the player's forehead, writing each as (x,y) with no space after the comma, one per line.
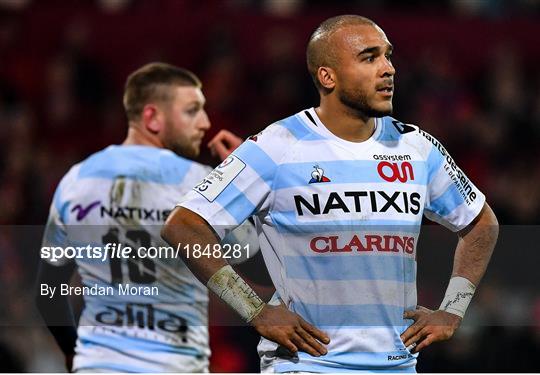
(357,37)
(185,95)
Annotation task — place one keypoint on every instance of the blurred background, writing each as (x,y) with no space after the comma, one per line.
(467,72)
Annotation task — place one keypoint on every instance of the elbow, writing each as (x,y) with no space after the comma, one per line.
(489,225)
(184,225)
(167,232)
(492,222)
(173,227)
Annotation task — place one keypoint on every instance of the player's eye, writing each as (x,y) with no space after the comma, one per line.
(370,59)
(192,111)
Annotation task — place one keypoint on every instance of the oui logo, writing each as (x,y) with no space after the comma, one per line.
(391,172)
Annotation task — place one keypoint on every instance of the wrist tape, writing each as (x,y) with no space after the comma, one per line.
(458,296)
(234,291)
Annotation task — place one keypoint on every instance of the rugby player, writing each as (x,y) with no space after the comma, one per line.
(339,192)
(122,195)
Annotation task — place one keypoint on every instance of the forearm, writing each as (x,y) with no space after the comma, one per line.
(473,252)
(185,228)
(188,229)
(475,246)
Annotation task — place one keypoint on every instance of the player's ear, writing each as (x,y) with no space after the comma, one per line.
(151,118)
(327,77)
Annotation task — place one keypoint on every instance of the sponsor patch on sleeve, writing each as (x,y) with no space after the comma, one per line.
(220,178)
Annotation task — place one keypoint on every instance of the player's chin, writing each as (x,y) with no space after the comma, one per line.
(195,151)
(382,109)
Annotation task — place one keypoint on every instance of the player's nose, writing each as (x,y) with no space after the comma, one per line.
(204,123)
(388,69)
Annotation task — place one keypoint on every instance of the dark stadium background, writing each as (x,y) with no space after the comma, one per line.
(467,72)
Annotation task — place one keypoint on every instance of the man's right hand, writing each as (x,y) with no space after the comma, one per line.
(288,329)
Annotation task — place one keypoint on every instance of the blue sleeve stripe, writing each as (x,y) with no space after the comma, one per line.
(298,129)
(250,153)
(351,267)
(447,202)
(236,203)
(350,316)
(287,222)
(345,171)
(434,162)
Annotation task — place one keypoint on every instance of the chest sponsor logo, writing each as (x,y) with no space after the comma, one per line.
(401,202)
(393,172)
(362,243)
(220,178)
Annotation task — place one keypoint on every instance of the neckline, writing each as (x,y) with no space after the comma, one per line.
(315,123)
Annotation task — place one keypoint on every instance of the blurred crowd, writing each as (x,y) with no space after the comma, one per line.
(467,72)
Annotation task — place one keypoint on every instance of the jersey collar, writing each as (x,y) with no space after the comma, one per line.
(312,120)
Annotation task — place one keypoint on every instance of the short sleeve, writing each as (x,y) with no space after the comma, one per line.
(452,198)
(240,186)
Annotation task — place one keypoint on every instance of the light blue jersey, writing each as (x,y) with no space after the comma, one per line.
(339,224)
(123,194)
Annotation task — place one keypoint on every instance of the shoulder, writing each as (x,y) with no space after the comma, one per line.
(70,178)
(176,169)
(394,130)
(69,183)
(280,137)
(143,163)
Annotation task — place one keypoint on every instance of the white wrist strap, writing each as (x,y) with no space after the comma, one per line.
(458,296)
(235,292)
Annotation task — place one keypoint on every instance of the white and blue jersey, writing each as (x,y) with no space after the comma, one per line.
(123,194)
(339,224)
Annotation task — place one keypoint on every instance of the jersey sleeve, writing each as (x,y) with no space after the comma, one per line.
(241,185)
(452,199)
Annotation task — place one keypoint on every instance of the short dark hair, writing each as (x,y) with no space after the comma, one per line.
(319,51)
(152,82)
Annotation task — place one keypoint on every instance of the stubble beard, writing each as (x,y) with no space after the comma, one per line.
(357,102)
(181,145)
(184,148)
